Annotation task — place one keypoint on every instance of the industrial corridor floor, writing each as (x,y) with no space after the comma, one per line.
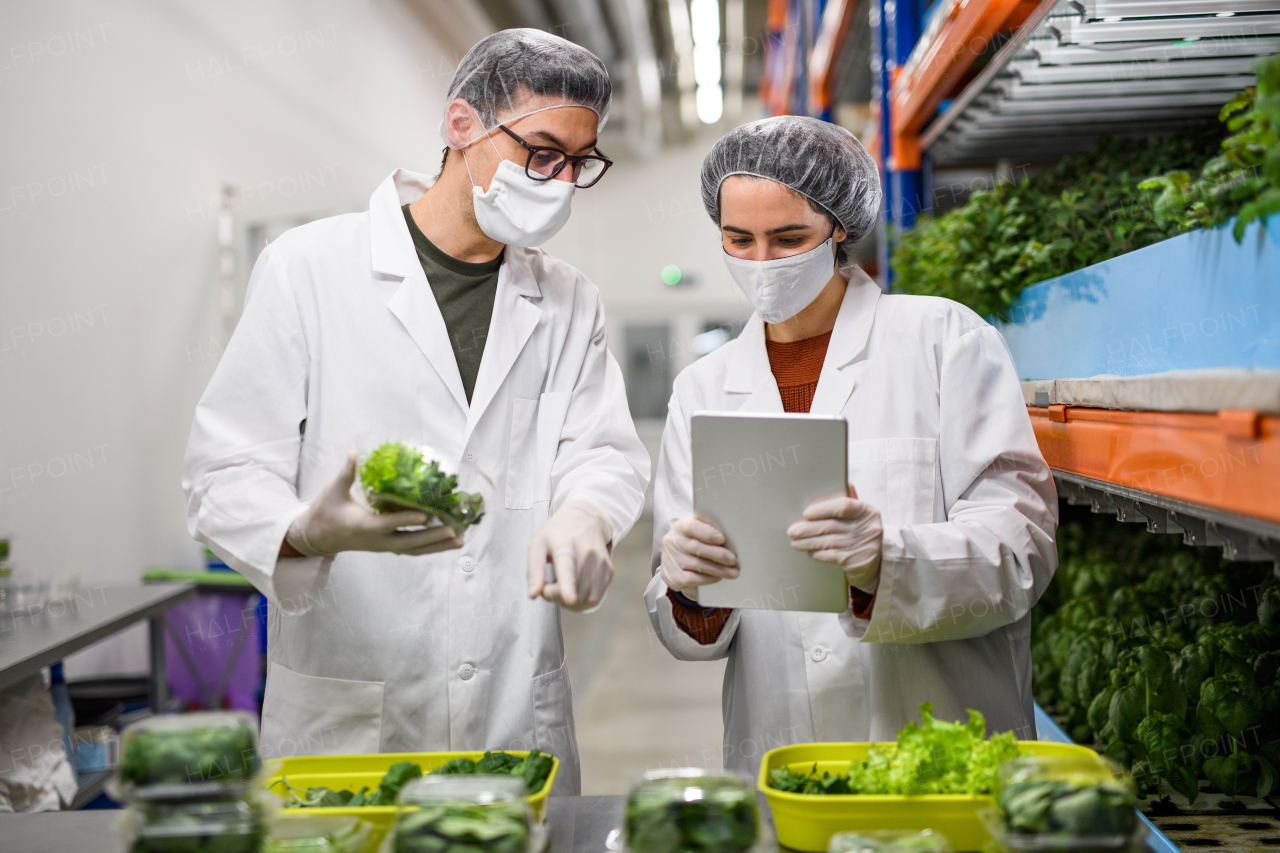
(637,707)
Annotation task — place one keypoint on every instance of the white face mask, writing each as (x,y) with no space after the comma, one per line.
(517,210)
(781,288)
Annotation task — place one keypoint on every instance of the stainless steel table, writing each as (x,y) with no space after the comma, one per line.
(577,824)
(31,641)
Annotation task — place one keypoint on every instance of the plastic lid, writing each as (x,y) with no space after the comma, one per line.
(318,834)
(187,755)
(479,788)
(889,841)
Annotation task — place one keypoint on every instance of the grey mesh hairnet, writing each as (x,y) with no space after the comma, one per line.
(501,72)
(821,161)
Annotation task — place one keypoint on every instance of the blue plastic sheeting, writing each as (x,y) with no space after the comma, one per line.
(1047,729)
(1195,300)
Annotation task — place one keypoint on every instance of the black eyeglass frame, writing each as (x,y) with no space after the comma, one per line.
(569,159)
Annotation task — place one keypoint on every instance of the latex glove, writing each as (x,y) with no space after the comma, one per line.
(576,541)
(336,522)
(844,531)
(693,555)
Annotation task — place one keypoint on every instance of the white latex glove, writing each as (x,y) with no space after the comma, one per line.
(336,522)
(844,531)
(693,555)
(576,541)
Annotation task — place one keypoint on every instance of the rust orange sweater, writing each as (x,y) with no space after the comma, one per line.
(796,366)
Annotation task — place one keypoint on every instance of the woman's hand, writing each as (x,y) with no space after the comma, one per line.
(693,555)
(844,531)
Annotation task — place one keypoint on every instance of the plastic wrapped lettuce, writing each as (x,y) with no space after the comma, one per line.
(1050,803)
(234,825)
(691,811)
(889,841)
(463,814)
(395,477)
(208,754)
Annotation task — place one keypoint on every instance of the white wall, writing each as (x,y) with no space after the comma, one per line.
(123,120)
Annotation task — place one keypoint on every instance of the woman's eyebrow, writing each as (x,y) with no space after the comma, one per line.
(792,227)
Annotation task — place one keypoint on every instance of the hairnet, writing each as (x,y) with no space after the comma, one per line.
(821,161)
(502,73)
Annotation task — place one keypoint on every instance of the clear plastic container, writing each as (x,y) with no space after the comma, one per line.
(395,476)
(889,841)
(318,834)
(235,825)
(23,595)
(1049,803)
(185,756)
(692,811)
(476,814)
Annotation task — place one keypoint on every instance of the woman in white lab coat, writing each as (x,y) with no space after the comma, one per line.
(946,537)
(382,640)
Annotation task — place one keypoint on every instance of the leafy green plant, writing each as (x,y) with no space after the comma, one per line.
(934,757)
(1165,656)
(533,768)
(500,827)
(660,818)
(1244,180)
(396,477)
(1085,209)
(1042,807)
(221,754)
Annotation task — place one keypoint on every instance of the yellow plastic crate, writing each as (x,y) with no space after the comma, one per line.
(353,772)
(807,821)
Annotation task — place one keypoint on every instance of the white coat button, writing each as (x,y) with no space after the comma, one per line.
(466,671)
(467,564)
(470,457)
(819,654)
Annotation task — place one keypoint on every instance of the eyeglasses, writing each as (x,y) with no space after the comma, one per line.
(545,163)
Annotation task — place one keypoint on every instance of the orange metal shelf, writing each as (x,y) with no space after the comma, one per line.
(963,37)
(1229,461)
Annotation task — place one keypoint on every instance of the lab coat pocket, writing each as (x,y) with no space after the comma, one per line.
(310,715)
(553,724)
(896,476)
(535,438)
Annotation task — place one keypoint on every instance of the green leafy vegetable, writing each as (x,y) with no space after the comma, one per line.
(1053,807)
(499,827)
(395,477)
(533,769)
(1084,210)
(222,754)
(1244,180)
(1190,650)
(935,757)
(661,818)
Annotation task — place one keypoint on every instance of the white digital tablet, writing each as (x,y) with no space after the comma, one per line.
(753,475)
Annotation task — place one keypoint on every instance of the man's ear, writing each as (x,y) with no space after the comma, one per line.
(461,124)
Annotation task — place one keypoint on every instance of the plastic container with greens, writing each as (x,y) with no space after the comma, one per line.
(1051,803)
(691,811)
(463,814)
(395,477)
(232,825)
(889,841)
(318,834)
(211,754)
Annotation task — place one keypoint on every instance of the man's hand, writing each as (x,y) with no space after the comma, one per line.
(844,531)
(335,522)
(576,542)
(693,555)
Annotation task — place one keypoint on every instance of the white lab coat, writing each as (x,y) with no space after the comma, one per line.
(341,337)
(940,444)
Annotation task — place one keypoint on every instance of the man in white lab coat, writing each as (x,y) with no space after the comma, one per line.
(946,535)
(431,319)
